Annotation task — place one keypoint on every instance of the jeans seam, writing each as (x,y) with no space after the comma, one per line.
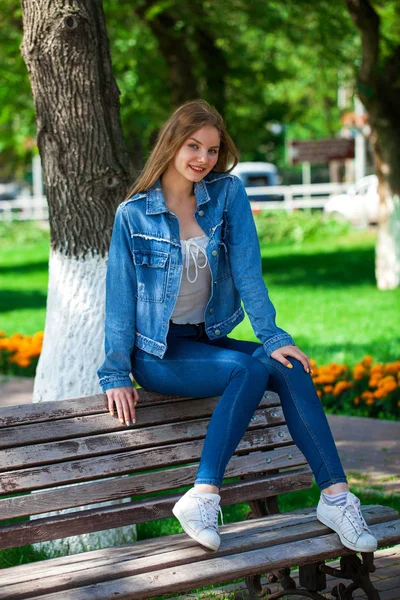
(304,421)
(228,429)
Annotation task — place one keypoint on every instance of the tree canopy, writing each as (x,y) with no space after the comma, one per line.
(273,69)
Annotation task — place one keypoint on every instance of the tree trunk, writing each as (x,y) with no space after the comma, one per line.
(174,48)
(86,174)
(378,89)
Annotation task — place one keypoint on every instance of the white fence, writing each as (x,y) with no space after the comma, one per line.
(24,208)
(314,195)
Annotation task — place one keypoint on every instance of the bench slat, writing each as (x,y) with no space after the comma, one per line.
(114,489)
(132,438)
(184,577)
(147,415)
(108,517)
(120,463)
(76,407)
(276,528)
(139,558)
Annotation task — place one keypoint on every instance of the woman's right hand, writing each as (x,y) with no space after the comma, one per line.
(125,400)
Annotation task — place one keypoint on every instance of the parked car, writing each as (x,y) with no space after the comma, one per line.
(258,174)
(359,205)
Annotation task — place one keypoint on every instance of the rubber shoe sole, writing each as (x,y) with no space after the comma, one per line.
(344,541)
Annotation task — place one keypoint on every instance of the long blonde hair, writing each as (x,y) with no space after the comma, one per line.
(187,119)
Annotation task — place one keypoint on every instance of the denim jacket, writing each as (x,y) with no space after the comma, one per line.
(145,269)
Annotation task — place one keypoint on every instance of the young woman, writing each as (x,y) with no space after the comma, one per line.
(184,253)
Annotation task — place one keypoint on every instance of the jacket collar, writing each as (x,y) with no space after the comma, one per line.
(155,200)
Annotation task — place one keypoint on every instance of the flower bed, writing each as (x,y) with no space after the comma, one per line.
(367,389)
(19,354)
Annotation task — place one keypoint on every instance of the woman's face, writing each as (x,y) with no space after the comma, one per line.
(198,155)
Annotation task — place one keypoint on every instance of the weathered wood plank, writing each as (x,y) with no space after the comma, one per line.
(147,415)
(99,519)
(134,438)
(266,532)
(184,577)
(271,526)
(120,463)
(76,407)
(123,487)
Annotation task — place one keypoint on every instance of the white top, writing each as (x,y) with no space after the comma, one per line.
(196,282)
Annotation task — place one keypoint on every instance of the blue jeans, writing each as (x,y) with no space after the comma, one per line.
(239,372)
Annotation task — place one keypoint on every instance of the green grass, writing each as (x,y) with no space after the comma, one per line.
(24,251)
(324,292)
(326,297)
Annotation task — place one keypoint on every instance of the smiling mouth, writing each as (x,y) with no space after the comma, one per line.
(197,169)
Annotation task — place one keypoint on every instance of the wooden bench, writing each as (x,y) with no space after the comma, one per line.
(52,444)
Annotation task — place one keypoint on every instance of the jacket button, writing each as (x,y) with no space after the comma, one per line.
(214,253)
(211,310)
(201,213)
(217,332)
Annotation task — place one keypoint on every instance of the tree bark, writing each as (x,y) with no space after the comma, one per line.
(378,88)
(86,175)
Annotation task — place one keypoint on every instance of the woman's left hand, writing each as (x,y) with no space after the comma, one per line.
(281,355)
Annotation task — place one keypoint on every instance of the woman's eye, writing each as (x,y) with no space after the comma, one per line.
(214,151)
(194,146)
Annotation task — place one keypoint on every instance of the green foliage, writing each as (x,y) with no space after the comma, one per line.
(278,226)
(20,233)
(269,71)
(17,117)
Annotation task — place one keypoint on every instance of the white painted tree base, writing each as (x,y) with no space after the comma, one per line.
(387,266)
(73,345)
(73,349)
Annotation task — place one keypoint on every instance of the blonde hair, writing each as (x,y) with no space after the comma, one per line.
(187,119)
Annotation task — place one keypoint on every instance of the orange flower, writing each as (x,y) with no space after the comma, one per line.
(359,372)
(341,386)
(356,400)
(367,361)
(328,389)
(370,401)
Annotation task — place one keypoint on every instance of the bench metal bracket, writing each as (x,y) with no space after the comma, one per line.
(312,577)
(351,567)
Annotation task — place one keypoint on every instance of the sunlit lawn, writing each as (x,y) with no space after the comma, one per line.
(324,292)
(326,297)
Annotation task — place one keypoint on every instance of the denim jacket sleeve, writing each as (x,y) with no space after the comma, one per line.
(120,307)
(245,259)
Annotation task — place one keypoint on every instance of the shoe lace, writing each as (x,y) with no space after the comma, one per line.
(210,510)
(353,512)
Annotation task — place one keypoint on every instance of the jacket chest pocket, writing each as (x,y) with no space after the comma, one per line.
(151,274)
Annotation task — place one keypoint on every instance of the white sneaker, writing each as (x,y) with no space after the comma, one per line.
(197,512)
(348,523)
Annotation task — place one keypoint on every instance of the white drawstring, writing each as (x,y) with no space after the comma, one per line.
(191,247)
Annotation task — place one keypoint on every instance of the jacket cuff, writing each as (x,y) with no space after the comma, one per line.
(107,383)
(277,341)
